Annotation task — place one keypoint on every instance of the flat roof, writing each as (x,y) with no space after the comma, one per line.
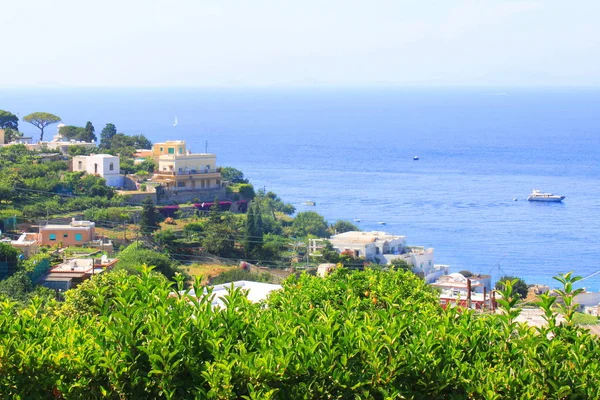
(365,237)
(82,265)
(57,279)
(66,227)
(65,275)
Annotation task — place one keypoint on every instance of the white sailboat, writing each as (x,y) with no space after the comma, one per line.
(175,123)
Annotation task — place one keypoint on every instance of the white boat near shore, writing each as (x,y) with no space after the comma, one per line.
(537,195)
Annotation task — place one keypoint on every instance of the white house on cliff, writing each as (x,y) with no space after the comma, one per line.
(383,248)
(103,165)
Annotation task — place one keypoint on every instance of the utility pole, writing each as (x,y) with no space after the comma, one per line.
(307,251)
(206,146)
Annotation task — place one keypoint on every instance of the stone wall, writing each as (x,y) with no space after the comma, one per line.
(202,195)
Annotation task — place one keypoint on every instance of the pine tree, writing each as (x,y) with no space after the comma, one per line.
(90,132)
(258,229)
(149,217)
(107,135)
(250,228)
(214,215)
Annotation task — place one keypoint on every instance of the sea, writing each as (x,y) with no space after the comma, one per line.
(351,151)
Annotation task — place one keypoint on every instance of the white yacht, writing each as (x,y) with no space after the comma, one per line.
(537,195)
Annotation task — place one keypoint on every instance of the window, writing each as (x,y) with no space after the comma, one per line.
(78,237)
(52,236)
(111,167)
(79,165)
(181,150)
(180,184)
(65,235)
(161,150)
(171,150)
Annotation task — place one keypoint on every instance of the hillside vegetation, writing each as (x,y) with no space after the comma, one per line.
(368,334)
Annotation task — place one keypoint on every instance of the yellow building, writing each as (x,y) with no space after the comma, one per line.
(180,170)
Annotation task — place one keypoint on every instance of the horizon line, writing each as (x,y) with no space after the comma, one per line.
(305,86)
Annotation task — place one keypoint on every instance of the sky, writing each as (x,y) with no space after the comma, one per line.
(117,43)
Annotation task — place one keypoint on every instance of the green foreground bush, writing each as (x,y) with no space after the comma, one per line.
(370,334)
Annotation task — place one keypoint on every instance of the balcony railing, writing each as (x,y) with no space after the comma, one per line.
(189,172)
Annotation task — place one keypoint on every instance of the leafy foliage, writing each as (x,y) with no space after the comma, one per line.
(369,334)
(233,175)
(41,120)
(8,120)
(126,145)
(109,214)
(11,135)
(519,286)
(71,132)
(240,275)
(108,132)
(149,217)
(342,226)
(253,238)
(401,264)
(310,223)
(135,254)
(20,289)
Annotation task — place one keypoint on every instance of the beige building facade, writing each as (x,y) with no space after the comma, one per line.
(180,170)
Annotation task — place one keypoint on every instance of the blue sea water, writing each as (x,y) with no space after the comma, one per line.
(351,151)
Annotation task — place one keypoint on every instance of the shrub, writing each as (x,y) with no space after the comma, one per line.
(369,334)
(241,275)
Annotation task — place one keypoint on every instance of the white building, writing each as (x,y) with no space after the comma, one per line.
(586,301)
(103,165)
(373,246)
(58,143)
(458,282)
(383,248)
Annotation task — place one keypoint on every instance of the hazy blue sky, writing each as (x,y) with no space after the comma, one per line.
(301,42)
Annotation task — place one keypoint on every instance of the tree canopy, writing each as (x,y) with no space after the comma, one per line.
(368,334)
(41,120)
(135,255)
(71,132)
(342,226)
(310,223)
(11,134)
(233,175)
(90,130)
(519,286)
(149,217)
(126,145)
(108,132)
(8,120)
(253,238)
